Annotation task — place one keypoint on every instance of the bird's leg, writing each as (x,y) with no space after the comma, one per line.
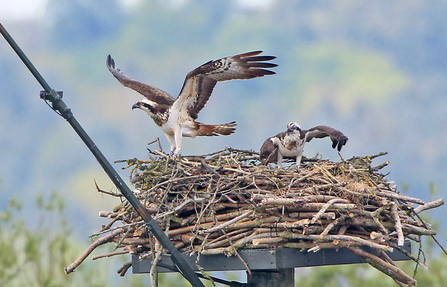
(178,142)
(298,160)
(279,162)
(171,140)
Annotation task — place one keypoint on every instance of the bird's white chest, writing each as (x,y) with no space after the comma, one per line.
(291,145)
(178,121)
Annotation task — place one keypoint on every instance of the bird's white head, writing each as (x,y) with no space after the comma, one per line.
(293,127)
(146,105)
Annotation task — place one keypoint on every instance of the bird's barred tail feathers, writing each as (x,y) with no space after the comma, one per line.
(215,130)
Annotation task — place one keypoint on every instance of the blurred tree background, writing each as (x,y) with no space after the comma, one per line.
(375,70)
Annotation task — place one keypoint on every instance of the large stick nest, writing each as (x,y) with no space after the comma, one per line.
(224,201)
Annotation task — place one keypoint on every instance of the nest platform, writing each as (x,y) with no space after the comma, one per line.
(225,202)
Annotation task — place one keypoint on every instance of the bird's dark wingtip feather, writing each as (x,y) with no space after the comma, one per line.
(262,65)
(334,143)
(253,52)
(110,62)
(266,72)
(259,58)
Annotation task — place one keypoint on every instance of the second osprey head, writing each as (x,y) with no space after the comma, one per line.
(293,127)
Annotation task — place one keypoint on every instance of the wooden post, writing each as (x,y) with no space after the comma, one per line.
(268,278)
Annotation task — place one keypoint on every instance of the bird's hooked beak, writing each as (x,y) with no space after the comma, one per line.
(136,106)
(144,106)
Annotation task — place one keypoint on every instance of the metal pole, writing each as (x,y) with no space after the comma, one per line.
(267,278)
(59,105)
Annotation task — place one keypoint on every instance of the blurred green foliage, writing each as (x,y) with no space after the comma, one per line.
(36,256)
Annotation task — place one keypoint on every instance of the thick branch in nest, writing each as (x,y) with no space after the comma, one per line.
(92,247)
(389,269)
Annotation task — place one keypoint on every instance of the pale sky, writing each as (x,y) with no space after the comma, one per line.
(21,9)
(26,9)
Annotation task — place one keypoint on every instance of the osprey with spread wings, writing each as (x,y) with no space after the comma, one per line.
(291,143)
(176,116)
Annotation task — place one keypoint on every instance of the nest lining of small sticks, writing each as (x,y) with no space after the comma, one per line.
(224,201)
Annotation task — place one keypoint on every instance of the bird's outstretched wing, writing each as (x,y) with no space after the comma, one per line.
(268,152)
(150,92)
(337,137)
(200,82)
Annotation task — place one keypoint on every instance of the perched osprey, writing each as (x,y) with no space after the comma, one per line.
(291,142)
(176,117)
